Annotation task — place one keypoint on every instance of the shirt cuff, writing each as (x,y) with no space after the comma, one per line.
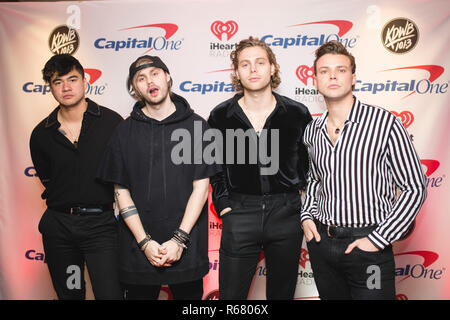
(221,204)
(305,216)
(378,241)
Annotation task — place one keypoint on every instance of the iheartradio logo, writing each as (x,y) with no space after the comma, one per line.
(406,117)
(304,258)
(218,28)
(304,73)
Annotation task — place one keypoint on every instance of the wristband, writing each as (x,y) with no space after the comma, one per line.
(181,237)
(143,242)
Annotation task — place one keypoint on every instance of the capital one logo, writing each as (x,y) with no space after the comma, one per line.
(303,39)
(343,25)
(92,76)
(209,87)
(420,86)
(157,43)
(229,28)
(406,117)
(430,167)
(304,73)
(421,270)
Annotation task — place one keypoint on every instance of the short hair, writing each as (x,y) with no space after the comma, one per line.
(275,80)
(61,64)
(334,47)
(130,82)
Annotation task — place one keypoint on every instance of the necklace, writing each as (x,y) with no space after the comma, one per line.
(72,136)
(337,129)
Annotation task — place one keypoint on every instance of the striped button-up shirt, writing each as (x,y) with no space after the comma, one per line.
(355,182)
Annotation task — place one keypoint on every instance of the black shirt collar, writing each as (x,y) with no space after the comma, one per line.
(234,105)
(92,108)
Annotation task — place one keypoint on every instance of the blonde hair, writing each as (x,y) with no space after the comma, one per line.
(275,79)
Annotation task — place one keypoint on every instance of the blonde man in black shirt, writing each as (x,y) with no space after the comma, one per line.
(78,226)
(258,199)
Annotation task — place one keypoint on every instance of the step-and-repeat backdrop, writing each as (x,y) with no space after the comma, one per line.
(402,57)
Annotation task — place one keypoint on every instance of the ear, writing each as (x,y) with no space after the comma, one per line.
(236,74)
(353,79)
(85,84)
(272,69)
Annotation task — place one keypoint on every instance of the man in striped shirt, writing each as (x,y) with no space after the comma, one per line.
(365,186)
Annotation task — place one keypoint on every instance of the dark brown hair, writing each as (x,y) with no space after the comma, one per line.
(334,47)
(61,64)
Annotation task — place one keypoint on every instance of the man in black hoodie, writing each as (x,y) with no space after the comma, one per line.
(161,201)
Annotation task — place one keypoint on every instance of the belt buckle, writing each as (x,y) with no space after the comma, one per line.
(329,233)
(72,208)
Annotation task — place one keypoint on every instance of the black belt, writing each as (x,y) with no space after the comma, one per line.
(85,210)
(259,197)
(344,232)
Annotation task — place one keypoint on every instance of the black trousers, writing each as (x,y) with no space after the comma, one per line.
(181,291)
(70,242)
(359,275)
(270,223)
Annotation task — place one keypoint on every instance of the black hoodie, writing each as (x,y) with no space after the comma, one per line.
(139,157)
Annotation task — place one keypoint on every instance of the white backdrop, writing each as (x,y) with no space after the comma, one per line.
(195,39)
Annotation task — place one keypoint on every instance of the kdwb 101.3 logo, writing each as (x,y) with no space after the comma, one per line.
(63,40)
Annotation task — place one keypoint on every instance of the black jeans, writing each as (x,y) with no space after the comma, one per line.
(70,242)
(180,291)
(270,223)
(359,275)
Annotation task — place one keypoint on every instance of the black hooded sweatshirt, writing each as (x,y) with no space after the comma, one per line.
(139,157)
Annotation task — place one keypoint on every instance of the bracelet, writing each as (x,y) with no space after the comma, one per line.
(181,237)
(179,243)
(128,212)
(144,247)
(144,242)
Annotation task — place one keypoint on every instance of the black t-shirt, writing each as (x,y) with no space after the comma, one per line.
(139,157)
(68,172)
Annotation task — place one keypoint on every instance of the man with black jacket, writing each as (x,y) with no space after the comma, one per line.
(259,200)
(78,226)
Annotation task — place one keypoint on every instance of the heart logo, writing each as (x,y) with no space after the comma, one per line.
(406,117)
(218,28)
(304,257)
(304,73)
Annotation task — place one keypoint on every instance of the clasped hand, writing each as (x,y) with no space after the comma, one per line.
(163,255)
